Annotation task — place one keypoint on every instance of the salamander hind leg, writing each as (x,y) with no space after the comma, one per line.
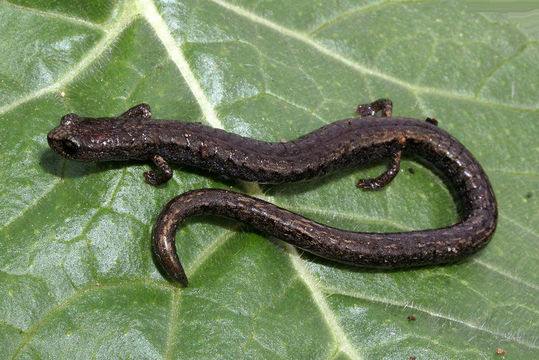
(161,175)
(385,178)
(370,109)
(138,111)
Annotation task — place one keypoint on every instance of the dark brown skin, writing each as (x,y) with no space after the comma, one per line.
(345,143)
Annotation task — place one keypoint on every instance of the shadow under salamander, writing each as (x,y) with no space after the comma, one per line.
(56,165)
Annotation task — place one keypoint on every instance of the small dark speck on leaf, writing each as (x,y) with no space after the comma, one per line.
(412,357)
(411,318)
(529,195)
(411,170)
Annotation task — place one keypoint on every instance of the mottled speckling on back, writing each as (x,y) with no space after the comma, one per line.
(345,143)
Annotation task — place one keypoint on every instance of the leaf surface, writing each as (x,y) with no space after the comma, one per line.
(77,277)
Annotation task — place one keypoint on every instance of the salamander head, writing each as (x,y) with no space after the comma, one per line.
(63,139)
(88,139)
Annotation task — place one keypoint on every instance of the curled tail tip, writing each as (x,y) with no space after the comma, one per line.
(174,270)
(182,280)
(177,275)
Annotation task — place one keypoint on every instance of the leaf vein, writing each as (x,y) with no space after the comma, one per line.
(172,325)
(55,15)
(209,250)
(28,335)
(162,31)
(504,274)
(32,204)
(433,313)
(482,83)
(305,38)
(519,225)
(111,35)
(330,319)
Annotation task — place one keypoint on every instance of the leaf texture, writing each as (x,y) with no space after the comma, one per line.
(77,276)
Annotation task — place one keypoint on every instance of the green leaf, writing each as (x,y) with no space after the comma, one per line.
(77,277)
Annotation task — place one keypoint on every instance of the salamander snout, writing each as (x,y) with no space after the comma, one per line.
(66,147)
(61,139)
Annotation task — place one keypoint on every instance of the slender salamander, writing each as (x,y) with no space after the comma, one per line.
(345,143)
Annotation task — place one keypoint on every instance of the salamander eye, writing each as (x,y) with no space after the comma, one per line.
(70,147)
(68,119)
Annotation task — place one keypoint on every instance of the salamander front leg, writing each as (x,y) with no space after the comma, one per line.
(161,175)
(385,178)
(370,109)
(138,111)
